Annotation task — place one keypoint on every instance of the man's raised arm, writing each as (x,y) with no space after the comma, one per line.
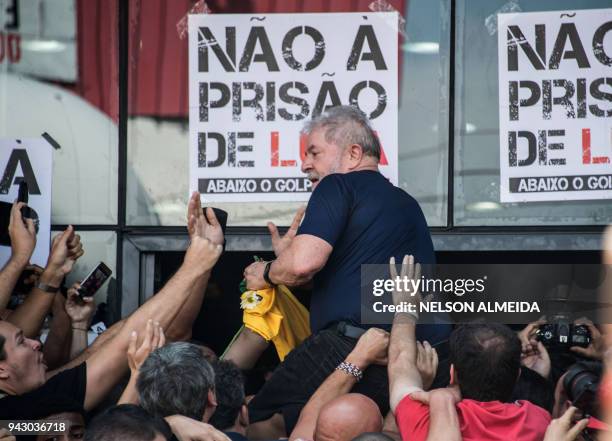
(404,376)
(23,241)
(109,362)
(66,248)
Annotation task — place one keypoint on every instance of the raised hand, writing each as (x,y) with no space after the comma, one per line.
(280,244)
(427,363)
(409,271)
(23,235)
(535,357)
(154,338)
(79,310)
(66,248)
(562,428)
(206,226)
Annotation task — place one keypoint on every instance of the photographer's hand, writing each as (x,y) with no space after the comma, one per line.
(535,357)
(561,429)
(528,335)
(595,349)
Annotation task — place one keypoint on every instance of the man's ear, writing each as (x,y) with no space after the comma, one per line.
(212,398)
(243,416)
(355,152)
(4,373)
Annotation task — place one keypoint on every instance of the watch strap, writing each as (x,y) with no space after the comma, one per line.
(266,274)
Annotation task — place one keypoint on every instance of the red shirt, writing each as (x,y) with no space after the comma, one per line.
(479,421)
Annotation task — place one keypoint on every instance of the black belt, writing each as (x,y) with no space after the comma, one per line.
(349,330)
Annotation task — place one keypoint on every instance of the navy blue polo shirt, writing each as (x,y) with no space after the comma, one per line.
(366,220)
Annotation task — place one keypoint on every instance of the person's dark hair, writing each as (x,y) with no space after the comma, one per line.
(486,358)
(229,388)
(534,388)
(126,422)
(2,353)
(175,380)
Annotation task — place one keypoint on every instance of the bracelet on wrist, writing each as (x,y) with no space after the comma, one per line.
(266,274)
(350,369)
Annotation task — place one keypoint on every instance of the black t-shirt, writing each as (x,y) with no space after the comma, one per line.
(69,384)
(366,219)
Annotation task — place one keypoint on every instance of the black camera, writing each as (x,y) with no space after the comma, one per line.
(562,336)
(580,383)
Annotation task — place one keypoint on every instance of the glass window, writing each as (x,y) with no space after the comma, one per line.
(59,74)
(158,165)
(477,200)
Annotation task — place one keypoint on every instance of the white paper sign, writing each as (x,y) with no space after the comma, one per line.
(32,160)
(555,95)
(255,80)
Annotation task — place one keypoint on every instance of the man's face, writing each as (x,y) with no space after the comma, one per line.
(23,369)
(74,427)
(322,158)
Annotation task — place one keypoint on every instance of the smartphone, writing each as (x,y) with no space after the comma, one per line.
(23,196)
(94,280)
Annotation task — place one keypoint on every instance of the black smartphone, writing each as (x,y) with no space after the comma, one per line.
(23,196)
(94,280)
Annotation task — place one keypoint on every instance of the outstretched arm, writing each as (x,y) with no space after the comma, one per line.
(108,363)
(404,376)
(370,349)
(66,248)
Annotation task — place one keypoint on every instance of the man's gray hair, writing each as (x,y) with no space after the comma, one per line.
(175,380)
(344,126)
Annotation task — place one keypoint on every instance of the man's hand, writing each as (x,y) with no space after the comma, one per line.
(528,335)
(371,348)
(154,338)
(79,310)
(280,244)
(187,429)
(595,349)
(427,363)
(66,248)
(451,394)
(535,357)
(409,271)
(561,429)
(202,254)
(253,274)
(23,236)
(201,225)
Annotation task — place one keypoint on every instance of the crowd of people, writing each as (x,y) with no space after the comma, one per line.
(144,379)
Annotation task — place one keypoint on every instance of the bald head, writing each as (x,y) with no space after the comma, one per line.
(346,417)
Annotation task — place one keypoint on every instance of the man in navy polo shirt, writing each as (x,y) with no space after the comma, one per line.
(355,216)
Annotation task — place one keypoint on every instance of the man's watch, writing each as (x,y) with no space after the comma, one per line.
(266,274)
(47,288)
